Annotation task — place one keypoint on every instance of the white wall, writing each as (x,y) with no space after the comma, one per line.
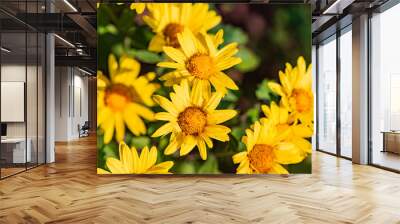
(71,102)
(14,73)
(33,127)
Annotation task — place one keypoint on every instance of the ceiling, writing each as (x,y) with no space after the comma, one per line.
(75,21)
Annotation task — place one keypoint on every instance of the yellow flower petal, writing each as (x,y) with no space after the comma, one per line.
(213,102)
(276,88)
(244,167)
(144,158)
(164,116)
(142,111)
(210,45)
(207,140)
(166,104)
(134,123)
(129,64)
(116,166)
(229,83)
(178,102)
(125,156)
(302,131)
(152,157)
(157,43)
(227,51)
(228,63)
(239,157)
(103,115)
(174,144)
(189,142)
(119,127)
(108,128)
(112,65)
(201,145)
(186,41)
(175,54)
(220,116)
(197,93)
(102,80)
(278,169)
(170,65)
(288,153)
(101,171)
(217,132)
(163,130)
(136,161)
(303,144)
(218,85)
(161,168)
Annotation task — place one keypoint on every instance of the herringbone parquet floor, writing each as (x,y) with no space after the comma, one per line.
(69,191)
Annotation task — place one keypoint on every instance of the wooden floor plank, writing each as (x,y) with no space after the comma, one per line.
(69,191)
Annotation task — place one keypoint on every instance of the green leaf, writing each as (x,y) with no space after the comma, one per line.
(118,50)
(110,28)
(237,133)
(153,126)
(100,140)
(184,167)
(163,143)
(126,20)
(250,61)
(254,113)
(263,92)
(128,137)
(111,150)
(140,142)
(233,34)
(231,96)
(302,167)
(146,56)
(141,37)
(210,166)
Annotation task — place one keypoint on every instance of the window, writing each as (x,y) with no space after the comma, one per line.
(346,93)
(22,76)
(385,89)
(327,96)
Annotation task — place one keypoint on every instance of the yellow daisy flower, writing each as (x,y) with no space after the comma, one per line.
(296,90)
(139,7)
(124,98)
(201,63)
(192,120)
(281,118)
(168,19)
(267,149)
(130,162)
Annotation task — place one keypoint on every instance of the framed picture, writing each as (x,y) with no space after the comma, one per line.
(203,88)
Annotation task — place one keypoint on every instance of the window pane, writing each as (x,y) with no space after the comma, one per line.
(327,96)
(386,89)
(15,150)
(346,94)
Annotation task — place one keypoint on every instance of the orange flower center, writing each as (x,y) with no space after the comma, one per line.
(304,100)
(118,96)
(171,33)
(261,157)
(192,120)
(200,65)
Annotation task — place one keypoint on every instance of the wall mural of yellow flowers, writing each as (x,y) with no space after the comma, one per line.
(201,88)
